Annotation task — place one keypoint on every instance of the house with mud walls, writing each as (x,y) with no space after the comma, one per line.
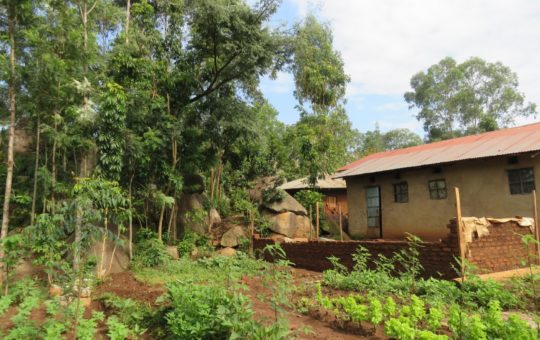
(411,190)
(333,189)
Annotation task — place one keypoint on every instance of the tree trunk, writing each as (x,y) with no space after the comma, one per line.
(160,225)
(130,218)
(53,170)
(11,138)
(78,238)
(36,167)
(128,11)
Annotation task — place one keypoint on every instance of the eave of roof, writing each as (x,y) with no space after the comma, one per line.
(328,182)
(509,141)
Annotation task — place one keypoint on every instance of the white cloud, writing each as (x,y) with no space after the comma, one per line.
(383,43)
(284,83)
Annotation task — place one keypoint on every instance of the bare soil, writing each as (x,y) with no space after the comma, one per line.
(126,286)
(320,324)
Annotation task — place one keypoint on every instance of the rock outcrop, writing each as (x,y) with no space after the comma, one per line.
(232,237)
(290,224)
(287,204)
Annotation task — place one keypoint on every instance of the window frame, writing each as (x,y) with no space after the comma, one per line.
(401,194)
(523,190)
(437,189)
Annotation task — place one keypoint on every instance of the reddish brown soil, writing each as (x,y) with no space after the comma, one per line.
(126,286)
(320,324)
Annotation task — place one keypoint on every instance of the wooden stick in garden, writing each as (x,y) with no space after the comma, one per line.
(310,224)
(461,238)
(317,221)
(340,224)
(536,231)
(252,228)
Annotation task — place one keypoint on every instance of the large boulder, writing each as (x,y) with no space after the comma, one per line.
(213,217)
(227,252)
(173,252)
(189,206)
(287,204)
(232,237)
(118,254)
(290,224)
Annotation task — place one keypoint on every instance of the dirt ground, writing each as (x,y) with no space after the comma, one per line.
(126,286)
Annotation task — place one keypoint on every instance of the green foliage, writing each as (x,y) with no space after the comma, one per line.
(207,312)
(47,240)
(318,69)
(478,292)
(127,313)
(111,124)
(14,247)
(191,241)
(308,198)
(116,329)
(263,226)
(271,195)
(150,253)
(377,141)
(468,98)
(86,329)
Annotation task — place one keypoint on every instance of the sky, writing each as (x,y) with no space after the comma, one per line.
(385,42)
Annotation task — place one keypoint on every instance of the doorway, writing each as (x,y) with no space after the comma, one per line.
(373,203)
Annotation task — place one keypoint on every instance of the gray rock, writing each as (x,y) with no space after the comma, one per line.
(290,225)
(232,237)
(173,252)
(227,252)
(287,204)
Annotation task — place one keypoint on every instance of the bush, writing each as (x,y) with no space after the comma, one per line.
(190,241)
(150,253)
(478,292)
(207,312)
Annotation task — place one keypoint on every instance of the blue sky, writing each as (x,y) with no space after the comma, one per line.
(384,43)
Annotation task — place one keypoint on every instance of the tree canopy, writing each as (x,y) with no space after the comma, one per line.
(468,98)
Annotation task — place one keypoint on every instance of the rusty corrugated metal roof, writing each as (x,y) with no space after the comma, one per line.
(324,183)
(510,141)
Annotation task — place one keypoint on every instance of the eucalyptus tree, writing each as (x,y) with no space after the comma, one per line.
(324,133)
(13,16)
(461,99)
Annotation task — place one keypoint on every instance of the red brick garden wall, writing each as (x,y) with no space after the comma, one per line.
(500,250)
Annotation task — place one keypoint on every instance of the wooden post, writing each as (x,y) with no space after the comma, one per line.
(310,224)
(461,238)
(317,217)
(252,228)
(340,224)
(536,231)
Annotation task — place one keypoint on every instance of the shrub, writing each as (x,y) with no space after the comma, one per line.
(478,292)
(207,312)
(117,330)
(150,253)
(190,241)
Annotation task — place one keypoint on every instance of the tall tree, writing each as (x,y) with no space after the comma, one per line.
(471,97)
(324,131)
(12,13)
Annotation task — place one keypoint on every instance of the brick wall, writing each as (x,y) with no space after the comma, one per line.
(500,250)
